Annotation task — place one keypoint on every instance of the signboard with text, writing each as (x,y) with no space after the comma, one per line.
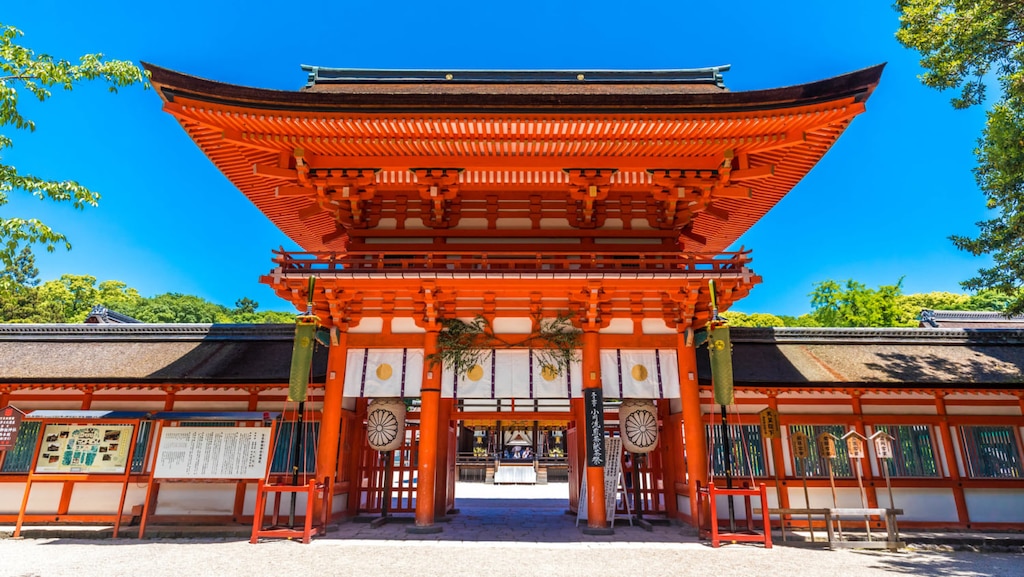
(593,403)
(10,422)
(212,453)
(90,449)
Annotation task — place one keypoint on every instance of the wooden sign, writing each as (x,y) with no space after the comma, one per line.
(90,449)
(827,446)
(593,402)
(212,453)
(883,447)
(10,423)
(855,447)
(801,446)
(770,428)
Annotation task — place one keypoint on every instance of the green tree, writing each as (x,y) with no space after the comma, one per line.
(856,305)
(962,44)
(19,295)
(68,299)
(178,308)
(22,71)
(738,319)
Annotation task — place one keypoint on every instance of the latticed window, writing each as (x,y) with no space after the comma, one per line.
(287,442)
(992,452)
(747,450)
(815,465)
(913,449)
(19,458)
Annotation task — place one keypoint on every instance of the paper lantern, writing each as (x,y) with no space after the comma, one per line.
(638,424)
(385,424)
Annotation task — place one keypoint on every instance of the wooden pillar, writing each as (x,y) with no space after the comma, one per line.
(444,441)
(671,448)
(430,401)
(779,460)
(355,444)
(963,516)
(597,518)
(693,424)
(870,493)
(330,418)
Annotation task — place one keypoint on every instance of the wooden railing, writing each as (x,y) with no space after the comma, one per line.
(537,262)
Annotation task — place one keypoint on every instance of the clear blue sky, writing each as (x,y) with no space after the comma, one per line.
(879,206)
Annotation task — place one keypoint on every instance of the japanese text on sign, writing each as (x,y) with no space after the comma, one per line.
(594,410)
(770,428)
(212,453)
(10,422)
(801,446)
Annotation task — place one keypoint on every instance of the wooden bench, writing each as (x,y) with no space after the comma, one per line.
(833,515)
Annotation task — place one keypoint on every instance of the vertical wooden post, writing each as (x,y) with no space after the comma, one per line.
(963,516)
(597,517)
(426,472)
(779,464)
(693,425)
(443,442)
(671,449)
(330,421)
(870,491)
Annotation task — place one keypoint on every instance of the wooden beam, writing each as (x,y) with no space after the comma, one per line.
(752,173)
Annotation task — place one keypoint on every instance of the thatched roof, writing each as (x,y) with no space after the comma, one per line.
(149,353)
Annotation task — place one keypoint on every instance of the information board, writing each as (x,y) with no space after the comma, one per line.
(91,449)
(212,453)
(10,422)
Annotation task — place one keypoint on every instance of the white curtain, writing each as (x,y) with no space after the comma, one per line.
(384,373)
(639,374)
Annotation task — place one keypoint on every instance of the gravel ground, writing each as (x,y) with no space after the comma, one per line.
(327,557)
(500,531)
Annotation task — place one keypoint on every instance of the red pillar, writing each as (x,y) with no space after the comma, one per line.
(430,406)
(597,518)
(693,424)
(444,441)
(330,420)
(671,448)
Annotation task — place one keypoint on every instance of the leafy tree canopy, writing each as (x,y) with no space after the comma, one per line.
(963,45)
(25,73)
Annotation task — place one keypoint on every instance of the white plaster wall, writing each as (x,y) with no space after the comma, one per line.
(982,410)
(102,498)
(821,497)
(618,327)
(899,409)
(43,500)
(242,404)
(368,325)
(934,505)
(10,497)
(656,327)
(405,325)
(196,499)
(513,325)
(995,505)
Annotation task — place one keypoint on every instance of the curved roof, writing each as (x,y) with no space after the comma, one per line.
(520,134)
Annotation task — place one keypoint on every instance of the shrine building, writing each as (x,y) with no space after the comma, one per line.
(528,209)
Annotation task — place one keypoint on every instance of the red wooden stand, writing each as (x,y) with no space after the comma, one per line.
(315,492)
(707,496)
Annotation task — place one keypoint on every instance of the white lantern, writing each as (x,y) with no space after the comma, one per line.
(638,424)
(385,424)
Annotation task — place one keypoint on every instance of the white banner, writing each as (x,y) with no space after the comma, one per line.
(384,373)
(639,374)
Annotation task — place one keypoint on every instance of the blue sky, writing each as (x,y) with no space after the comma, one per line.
(879,206)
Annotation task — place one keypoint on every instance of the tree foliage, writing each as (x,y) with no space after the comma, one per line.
(70,298)
(23,72)
(963,44)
